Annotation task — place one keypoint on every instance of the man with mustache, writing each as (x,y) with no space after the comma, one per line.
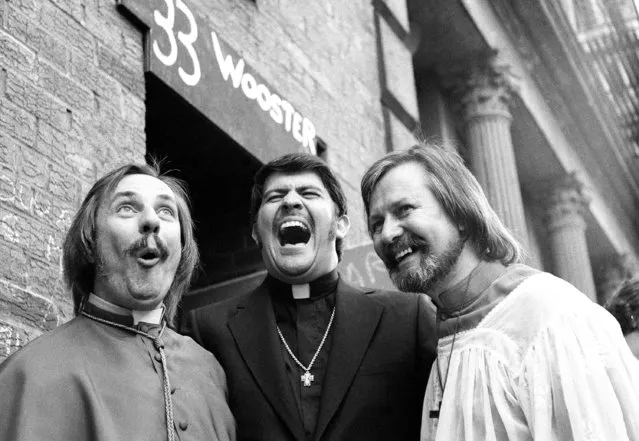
(117,371)
(522,354)
(308,356)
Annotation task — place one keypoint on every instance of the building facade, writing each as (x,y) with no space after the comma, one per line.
(218,88)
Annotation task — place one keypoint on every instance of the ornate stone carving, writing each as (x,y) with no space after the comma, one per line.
(483,88)
(566,205)
(567,201)
(482,92)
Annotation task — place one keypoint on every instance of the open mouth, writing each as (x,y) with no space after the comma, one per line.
(403,254)
(294,233)
(149,256)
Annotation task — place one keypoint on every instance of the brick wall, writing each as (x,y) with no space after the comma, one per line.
(71,107)
(322,56)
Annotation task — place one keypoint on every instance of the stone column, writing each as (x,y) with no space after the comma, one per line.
(567,203)
(484,93)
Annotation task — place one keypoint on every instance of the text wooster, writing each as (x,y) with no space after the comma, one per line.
(281,111)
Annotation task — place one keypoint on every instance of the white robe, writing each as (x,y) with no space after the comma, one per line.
(545,364)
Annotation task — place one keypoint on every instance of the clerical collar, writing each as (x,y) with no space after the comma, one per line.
(319,287)
(457,298)
(153,317)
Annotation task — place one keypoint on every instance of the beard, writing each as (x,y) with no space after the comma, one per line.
(431,268)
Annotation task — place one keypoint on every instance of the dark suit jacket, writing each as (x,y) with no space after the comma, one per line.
(383,347)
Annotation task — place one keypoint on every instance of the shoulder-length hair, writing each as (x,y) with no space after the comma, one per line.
(79,248)
(459,194)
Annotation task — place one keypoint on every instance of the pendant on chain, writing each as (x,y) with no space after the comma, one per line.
(307,378)
(434,414)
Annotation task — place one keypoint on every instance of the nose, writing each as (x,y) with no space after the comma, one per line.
(149,222)
(391,230)
(292,200)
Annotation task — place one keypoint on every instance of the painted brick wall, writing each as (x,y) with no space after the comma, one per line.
(71,107)
(322,57)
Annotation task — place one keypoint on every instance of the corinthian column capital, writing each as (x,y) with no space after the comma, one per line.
(483,88)
(567,202)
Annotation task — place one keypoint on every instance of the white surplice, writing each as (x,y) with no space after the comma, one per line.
(545,364)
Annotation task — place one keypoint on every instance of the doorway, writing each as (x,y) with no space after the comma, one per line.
(219,174)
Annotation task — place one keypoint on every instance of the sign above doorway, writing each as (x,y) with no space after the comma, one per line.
(193,60)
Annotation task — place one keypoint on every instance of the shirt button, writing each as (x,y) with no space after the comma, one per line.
(144,328)
(158,358)
(183,425)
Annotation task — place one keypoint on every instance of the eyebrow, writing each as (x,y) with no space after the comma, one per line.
(391,207)
(297,189)
(132,194)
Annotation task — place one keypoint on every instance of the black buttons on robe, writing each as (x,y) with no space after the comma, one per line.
(183,425)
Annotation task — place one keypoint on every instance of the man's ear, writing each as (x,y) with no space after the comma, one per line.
(89,248)
(255,236)
(343,225)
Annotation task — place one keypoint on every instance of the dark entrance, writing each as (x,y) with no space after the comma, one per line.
(219,175)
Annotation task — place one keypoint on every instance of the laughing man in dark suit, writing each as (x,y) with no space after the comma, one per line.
(308,356)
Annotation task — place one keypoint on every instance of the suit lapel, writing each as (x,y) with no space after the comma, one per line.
(356,319)
(253,328)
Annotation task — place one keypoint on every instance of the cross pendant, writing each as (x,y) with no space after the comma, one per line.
(307,378)
(434,414)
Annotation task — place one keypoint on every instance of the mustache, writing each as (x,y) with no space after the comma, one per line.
(407,240)
(144,243)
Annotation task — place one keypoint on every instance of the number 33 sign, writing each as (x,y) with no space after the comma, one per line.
(185,53)
(169,56)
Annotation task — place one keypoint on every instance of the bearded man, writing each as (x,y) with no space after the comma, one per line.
(522,354)
(117,371)
(308,356)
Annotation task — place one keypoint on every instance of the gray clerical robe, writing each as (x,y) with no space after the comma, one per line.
(90,381)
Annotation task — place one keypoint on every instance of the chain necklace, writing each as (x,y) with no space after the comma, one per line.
(307,378)
(159,345)
(442,384)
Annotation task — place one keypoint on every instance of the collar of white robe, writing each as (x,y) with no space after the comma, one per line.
(442,382)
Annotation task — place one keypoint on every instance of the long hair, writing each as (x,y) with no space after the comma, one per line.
(297,163)
(79,248)
(459,194)
(624,306)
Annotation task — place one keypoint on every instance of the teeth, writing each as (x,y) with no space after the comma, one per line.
(403,253)
(290,224)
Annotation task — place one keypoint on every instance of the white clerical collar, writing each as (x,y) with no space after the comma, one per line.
(301,291)
(153,316)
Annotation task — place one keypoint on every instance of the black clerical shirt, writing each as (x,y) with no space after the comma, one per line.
(303,323)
